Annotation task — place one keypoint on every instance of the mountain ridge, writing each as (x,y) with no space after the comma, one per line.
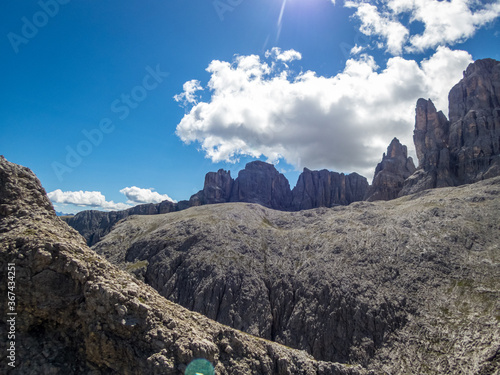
(453,152)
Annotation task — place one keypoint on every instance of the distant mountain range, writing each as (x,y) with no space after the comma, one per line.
(461,150)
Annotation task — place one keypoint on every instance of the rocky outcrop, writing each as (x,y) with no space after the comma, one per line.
(391,173)
(466,148)
(474,140)
(383,284)
(327,189)
(258,183)
(217,189)
(78,314)
(431,145)
(261,183)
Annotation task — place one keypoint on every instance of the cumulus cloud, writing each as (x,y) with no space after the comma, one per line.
(137,195)
(444,22)
(285,56)
(93,199)
(343,122)
(188,96)
(356,50)
(374,22)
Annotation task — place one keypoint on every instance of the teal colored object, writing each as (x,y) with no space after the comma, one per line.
(200,367)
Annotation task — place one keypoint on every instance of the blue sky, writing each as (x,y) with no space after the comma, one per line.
(113,104)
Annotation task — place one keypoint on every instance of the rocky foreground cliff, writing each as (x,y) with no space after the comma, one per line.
(78,314)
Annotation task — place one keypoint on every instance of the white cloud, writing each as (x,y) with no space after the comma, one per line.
(444,22)
(344,122)
(188,96)
(356,50)
(285,56)
(94,199)
(449,22)
(136,195)
(374,22)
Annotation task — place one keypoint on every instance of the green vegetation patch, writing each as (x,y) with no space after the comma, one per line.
(137,265)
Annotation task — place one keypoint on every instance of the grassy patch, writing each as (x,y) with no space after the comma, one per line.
(30,232)
(137,265)
(266,222)
(465,283)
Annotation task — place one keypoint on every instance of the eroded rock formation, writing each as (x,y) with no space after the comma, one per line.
(258,183)
(466,148)
(216,189)
(261,183)
(327,189)
(474,140)
(391,173)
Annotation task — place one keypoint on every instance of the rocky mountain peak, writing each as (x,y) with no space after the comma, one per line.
(466,148)
(474,140)
(430,134)
(327,189)
(396,150)
(391,173)
(216,189)
(261,183)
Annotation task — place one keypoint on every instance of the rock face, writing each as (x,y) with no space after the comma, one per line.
(474,140)
(261,183)
(217,189)
(391,173)
(406,286)
(78,314)
(327,189)
(466,148)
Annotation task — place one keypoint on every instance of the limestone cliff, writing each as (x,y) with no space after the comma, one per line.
(474,140)
(327,189)
(466,148)
(216,189)
(261,183)
(258,182)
